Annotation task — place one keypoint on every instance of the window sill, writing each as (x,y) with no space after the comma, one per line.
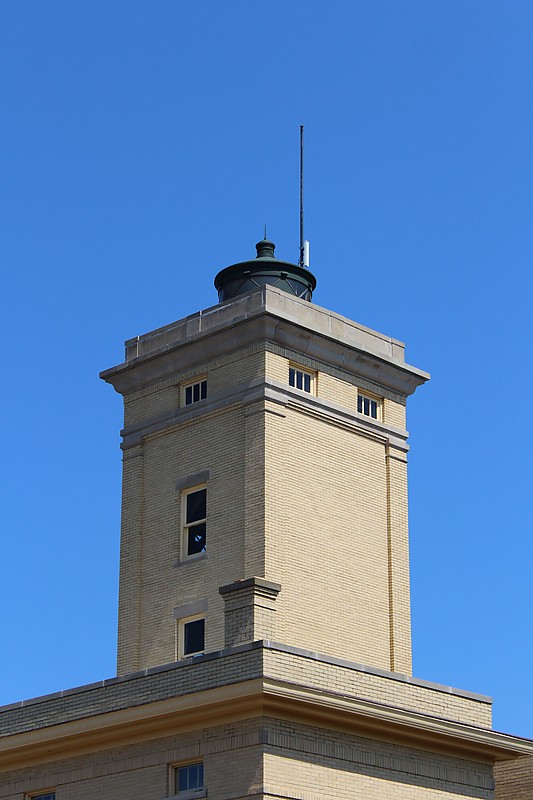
(190,794)
(179,562)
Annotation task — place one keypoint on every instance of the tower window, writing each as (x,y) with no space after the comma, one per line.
(45,796)
(302,379)
(369,406)
(194,504)
(189,781)
(191,636)
(194,392)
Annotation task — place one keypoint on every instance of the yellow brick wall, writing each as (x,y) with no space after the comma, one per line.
(231,755)
(363,578)
(152,582)
(296,779)
(326,538)
(261,758)
(131,554)
(324,513)
(151,401)
(165,396)
(302,762)
(276,364)
(336,390)
(154,570)
(377,688)
(238,366)
(394,412)
(398,554)
(514,779)
(336,385)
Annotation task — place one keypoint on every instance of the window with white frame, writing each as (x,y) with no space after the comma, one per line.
(189,781)
(194,521)
(302,379)
(368,405)
(194,392)
(191,636)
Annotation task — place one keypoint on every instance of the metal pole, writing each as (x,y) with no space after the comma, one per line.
(301,260)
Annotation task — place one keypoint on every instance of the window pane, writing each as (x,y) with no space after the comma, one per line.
(190,777)
(194,777)
(196,539)
(194,636)
(299,377)
(203,387)
(307,383)
(188,395)
(366,406)
(291,376)
(196,505)
(183,779)
(360,404)
(196,392)
(373,409)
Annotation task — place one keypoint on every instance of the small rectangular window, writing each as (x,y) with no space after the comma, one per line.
(194,392)
(42,796)
(301,379)
(194,503)
(191,636)
(189,779)
(369,406)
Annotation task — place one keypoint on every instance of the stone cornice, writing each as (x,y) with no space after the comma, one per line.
(265,315)
(137,723)
(375,720)
(261,696)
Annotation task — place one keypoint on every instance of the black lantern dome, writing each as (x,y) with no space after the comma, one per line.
(264,269)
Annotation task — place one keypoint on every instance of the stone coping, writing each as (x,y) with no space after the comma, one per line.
(266,314)
(383,673)
(248,583)
(257,299)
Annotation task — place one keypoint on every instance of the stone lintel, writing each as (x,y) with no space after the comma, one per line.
(190,609)
(194,479)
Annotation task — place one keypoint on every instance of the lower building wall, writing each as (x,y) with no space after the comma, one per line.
(261,758)
(306,763)
(232,757)
(514,779)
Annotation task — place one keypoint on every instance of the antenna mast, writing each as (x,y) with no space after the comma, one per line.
(301,259)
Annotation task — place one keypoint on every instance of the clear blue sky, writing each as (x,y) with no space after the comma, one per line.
(144,144)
